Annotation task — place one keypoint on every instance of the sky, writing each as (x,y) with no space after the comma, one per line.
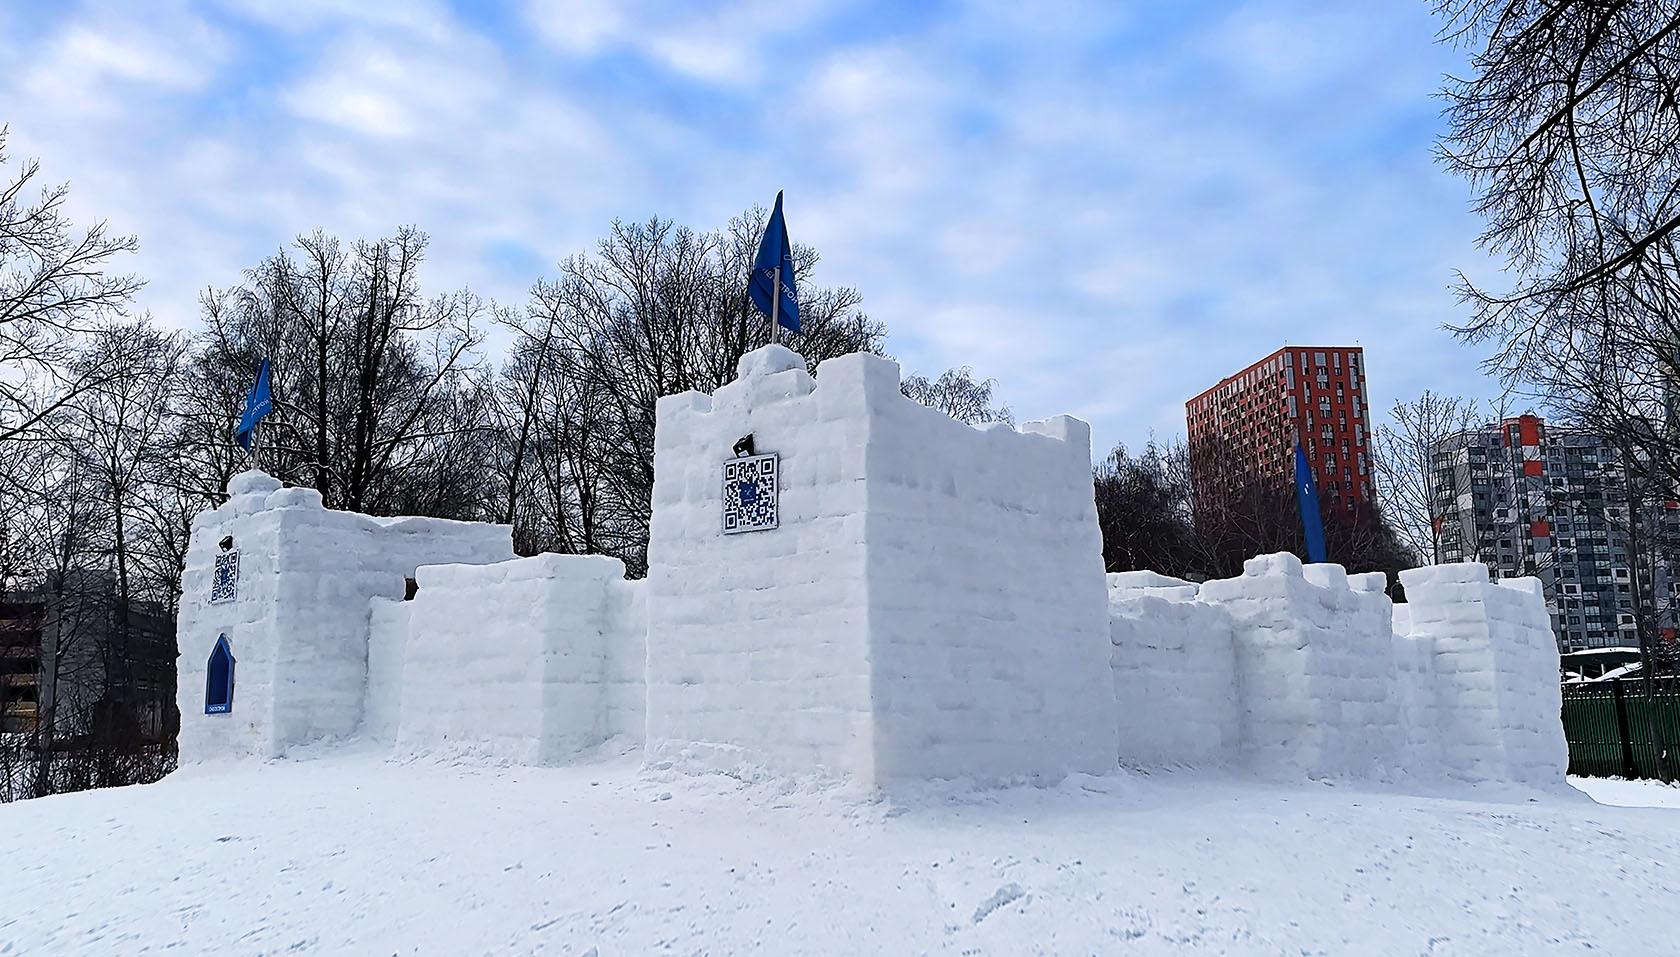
(1106,207)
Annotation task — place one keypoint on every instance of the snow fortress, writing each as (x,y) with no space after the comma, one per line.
(288,582)
(1305,671)
(841,580)
(931,603)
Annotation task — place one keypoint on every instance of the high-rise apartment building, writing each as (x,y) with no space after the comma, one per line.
(1526,499)
(1243,431)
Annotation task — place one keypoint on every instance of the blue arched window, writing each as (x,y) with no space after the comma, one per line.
(218,681)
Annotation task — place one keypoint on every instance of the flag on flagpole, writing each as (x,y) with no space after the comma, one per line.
(257,405)
(771,288)
(1306,494)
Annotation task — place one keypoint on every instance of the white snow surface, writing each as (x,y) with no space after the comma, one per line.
(298,626)
(350,854)
(532,660)
(932,604)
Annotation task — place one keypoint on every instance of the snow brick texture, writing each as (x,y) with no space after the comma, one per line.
(1326,678)
(931,606)
(1496,670)
(1175,672)
(532,661)
(298,622)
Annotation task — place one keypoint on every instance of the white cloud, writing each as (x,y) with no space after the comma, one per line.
(96,65)
(724,44)
(1103,212)
(577,27)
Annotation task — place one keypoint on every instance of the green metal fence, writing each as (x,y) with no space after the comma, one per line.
(1608,726)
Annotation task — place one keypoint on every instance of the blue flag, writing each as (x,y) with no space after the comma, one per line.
(773,251)
(257,405)
(1306,493)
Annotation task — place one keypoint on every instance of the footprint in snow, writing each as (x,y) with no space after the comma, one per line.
(1007,894)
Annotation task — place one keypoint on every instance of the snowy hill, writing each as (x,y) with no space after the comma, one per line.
(351,854)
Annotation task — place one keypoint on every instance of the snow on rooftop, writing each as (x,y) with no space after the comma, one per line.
(351,854)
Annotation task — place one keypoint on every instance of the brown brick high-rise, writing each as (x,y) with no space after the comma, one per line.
(1243,430)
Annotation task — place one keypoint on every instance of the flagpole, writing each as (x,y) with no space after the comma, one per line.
(776,309)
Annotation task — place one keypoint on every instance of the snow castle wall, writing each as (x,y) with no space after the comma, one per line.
(297,619)
(1315,655)
(530,661)
(932,603)
(1498,696)
(1175,673)
(1328,679)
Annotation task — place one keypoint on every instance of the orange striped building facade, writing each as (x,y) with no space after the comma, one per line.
(1243,431)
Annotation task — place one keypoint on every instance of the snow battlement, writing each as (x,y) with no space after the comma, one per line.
(290,591)
(926,601)
(844,386)
(844,581)
(529,661)
(1328,678)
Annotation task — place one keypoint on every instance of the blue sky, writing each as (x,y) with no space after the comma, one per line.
(1104,206)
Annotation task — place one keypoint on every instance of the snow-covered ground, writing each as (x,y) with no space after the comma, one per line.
(1622,793)
(351,854)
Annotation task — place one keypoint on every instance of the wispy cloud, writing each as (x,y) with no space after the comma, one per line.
(1104,206)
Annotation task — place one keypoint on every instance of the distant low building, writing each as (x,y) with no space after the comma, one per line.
(21,618)
(71,654)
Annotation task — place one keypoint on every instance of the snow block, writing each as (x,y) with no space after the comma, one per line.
(1305,671)
(1498,696)
(931,605)
(1175,676)
(530,661)
(1315,664)
(297,619)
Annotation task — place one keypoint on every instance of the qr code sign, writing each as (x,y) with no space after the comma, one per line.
(225,586)
(749,493)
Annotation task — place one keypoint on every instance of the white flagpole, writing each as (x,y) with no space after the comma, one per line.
(776,309)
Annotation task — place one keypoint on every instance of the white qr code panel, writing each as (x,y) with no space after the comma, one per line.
(750,486)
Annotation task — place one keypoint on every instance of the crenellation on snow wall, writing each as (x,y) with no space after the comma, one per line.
(296,613)
(1330,679)
(1316,667)
(1175,672)
(930,605)
(530,661)
(1495,660)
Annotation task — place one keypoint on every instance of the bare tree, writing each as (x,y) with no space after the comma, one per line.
(53,286)
(1144,512)
(1155,516)
(1569,127)
(658,309)
(1405,462)
(367,373)
(958,394)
